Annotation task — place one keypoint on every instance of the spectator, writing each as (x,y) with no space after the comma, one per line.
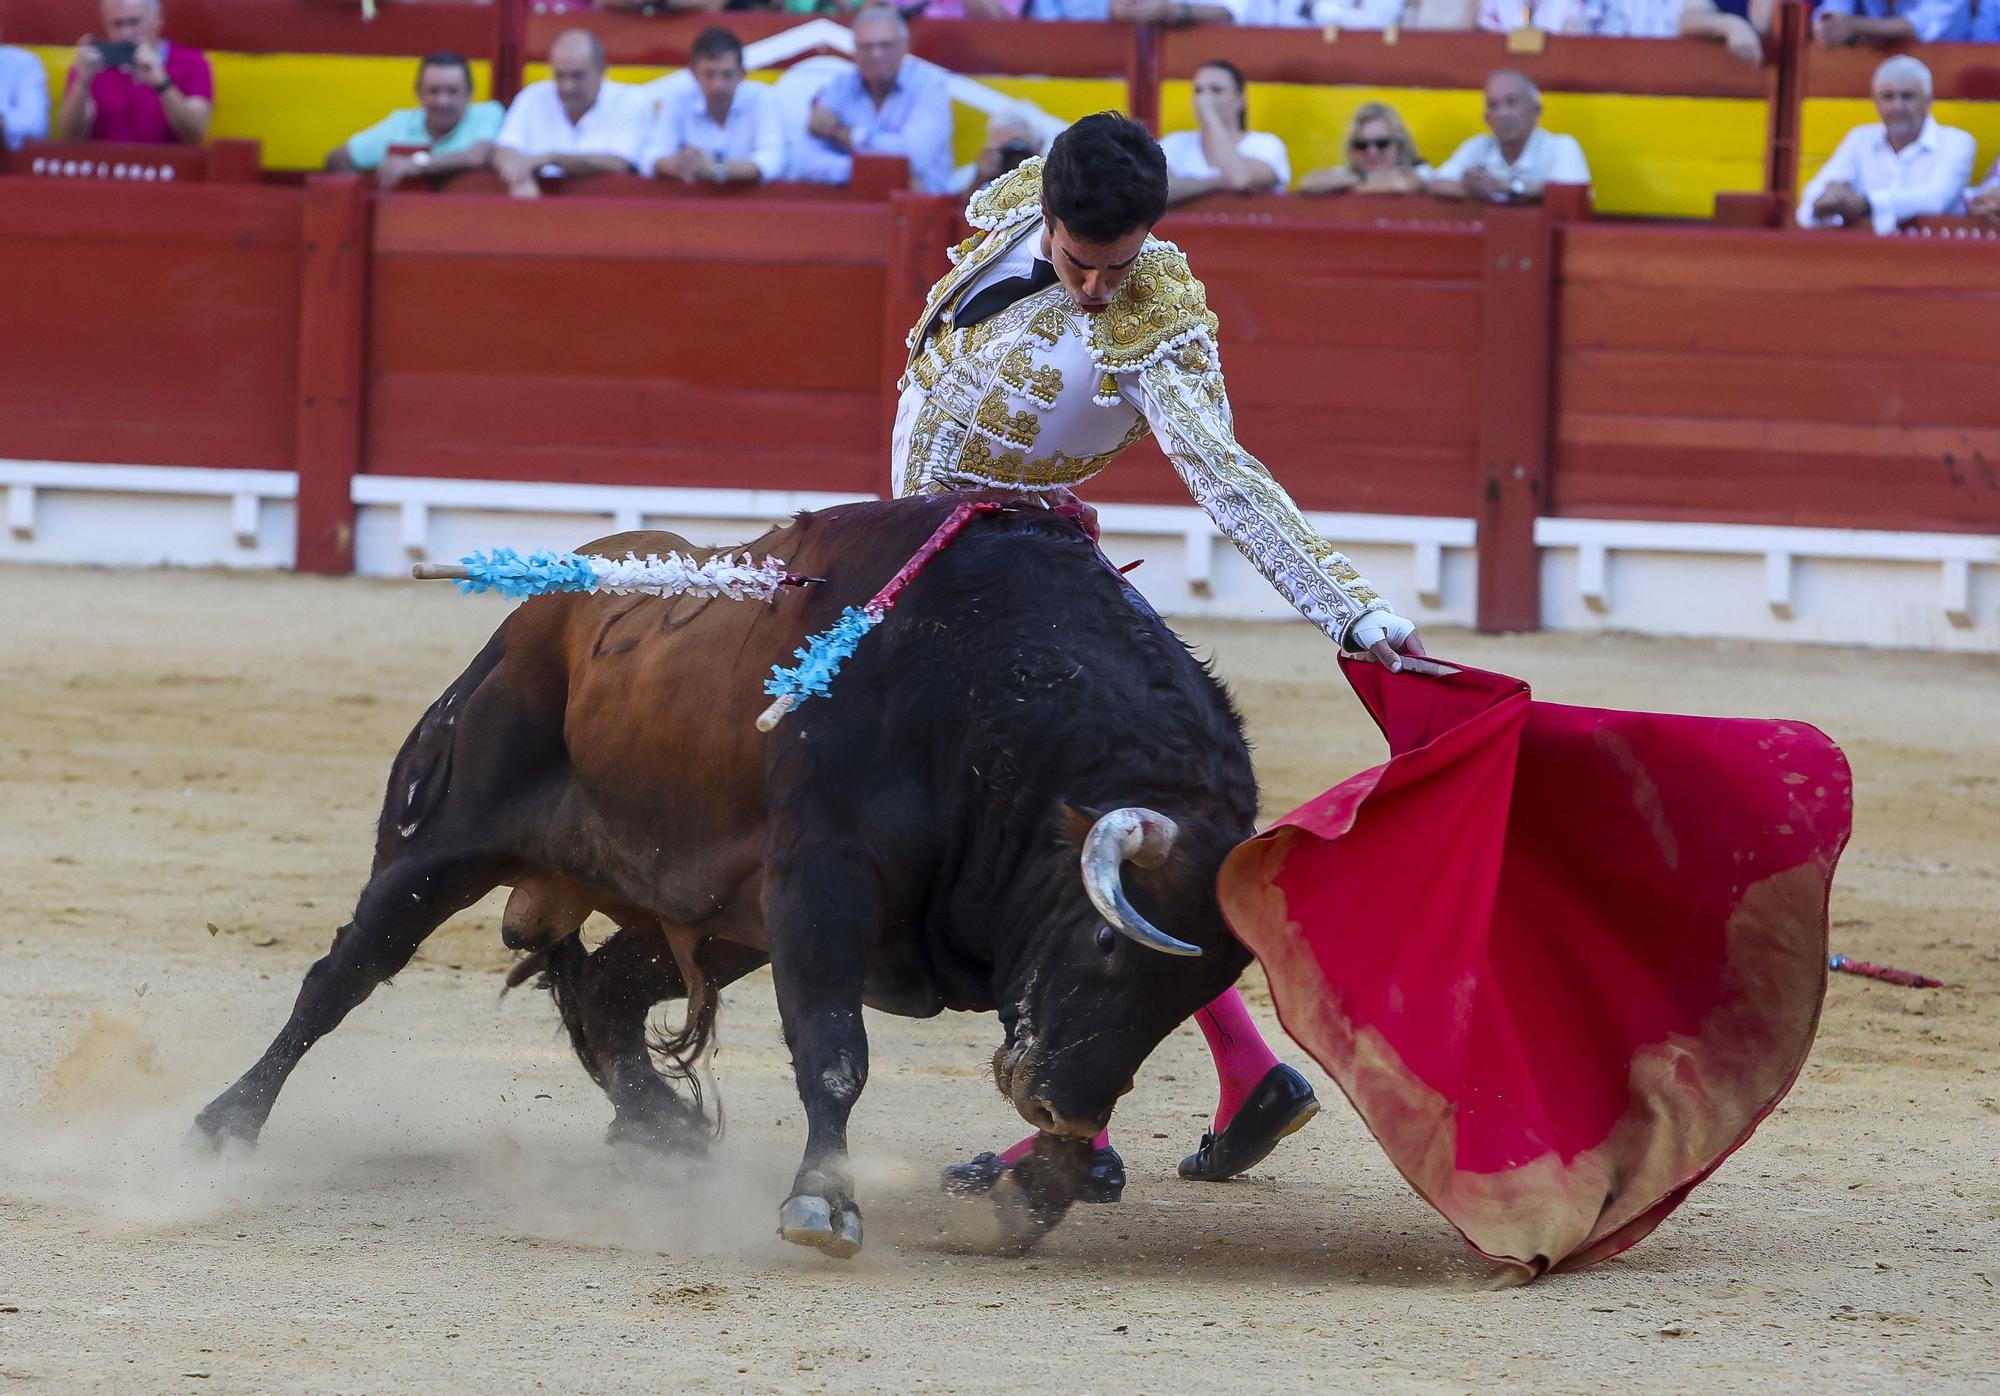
(456,133)
(1222,152)
(1986,22)
(1381,158)
(1892,21)
(24,98)
(1737,24)
(966,9)
(1177,12)
(1011,137)
(1984,202)
(1366,15)
(888,104)
(1886,174)
(571,125)
(1738,27)
(140,89)
(724,130)
(1513,163)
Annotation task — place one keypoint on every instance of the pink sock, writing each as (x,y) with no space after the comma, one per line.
(1242,1058)
(1020,1151)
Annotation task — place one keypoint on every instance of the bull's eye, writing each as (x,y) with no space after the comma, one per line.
(1107,939)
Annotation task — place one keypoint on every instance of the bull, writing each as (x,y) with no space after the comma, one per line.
(1016,799)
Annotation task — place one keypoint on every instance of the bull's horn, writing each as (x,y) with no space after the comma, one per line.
(1145,838)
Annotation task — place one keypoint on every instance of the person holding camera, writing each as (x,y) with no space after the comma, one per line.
(135,86)
(1010,138)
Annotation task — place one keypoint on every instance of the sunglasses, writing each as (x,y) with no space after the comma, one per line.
(1374,143)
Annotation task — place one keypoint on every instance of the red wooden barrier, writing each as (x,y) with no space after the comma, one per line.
(1671,67)
(1514,415)
(875,178)
(1778,377)
(332,299)
(400,27)
(219,162)
(157,325)
(1353,360)
(655,343)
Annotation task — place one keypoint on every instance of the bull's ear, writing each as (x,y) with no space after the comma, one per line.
(1075,822)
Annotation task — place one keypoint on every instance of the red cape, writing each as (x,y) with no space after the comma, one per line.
(1562,960)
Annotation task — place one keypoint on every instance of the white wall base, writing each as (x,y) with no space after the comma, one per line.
(1834,586)
(146,515)
(1928,591)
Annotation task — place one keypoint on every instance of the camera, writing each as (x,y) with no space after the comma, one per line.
(1012,154)
(115,53)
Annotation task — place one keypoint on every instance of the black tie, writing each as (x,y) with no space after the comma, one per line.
(1003,293)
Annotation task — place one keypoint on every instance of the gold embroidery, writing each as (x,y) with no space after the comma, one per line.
(1013,197)
(978,459)
(1194,358)
(1041,382)
(976,338)
(1049,325)
(1159,302)
(1018,428)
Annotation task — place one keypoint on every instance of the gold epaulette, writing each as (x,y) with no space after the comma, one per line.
(1009,200)
(1161,309)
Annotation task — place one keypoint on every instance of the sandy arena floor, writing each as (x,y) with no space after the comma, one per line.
(190,765)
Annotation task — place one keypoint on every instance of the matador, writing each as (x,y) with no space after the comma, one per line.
(1063,333)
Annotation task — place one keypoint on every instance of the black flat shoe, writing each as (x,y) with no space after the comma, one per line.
(977,1175)
(1281,1104)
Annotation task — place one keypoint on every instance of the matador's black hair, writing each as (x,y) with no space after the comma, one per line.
(1105,179)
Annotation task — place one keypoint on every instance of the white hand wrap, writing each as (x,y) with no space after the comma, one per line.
(1380,625)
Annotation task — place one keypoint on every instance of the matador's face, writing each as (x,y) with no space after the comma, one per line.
(1091,272)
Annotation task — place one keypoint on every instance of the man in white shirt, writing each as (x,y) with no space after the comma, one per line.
(573,124)
(726,131)
(1884,175)
(1511,165)
(24,98)
(1222,153)
(1984,201)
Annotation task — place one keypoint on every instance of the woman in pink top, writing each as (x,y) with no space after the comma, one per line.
(162,96)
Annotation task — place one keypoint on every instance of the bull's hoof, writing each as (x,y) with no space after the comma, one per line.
(978,1176)
(1022,1218)
(832,1228)
(674,1138)
(219,1123)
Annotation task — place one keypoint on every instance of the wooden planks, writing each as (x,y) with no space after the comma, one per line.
(1352,355)
(1818,379)
(658,344)
(164,324)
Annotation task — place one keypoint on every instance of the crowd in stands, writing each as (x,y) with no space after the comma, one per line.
(133,85)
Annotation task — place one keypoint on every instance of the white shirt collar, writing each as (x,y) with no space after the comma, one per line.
(1925,143)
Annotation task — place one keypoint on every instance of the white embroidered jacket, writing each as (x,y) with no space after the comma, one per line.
(1042,395)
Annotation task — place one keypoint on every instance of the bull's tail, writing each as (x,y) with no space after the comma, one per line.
(561,968)
(681,1054)
(421,774)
